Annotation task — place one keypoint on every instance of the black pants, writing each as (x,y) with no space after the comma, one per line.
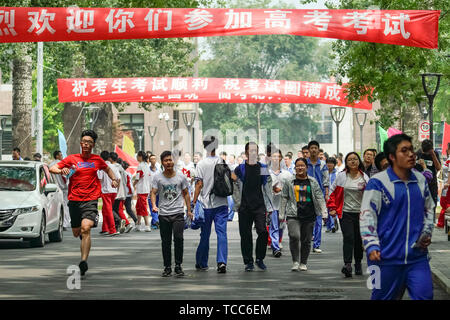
(130,209)
(352,237)
(117,218)
(168,225)
(246,219)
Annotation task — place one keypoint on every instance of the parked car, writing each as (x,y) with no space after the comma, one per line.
(31,204)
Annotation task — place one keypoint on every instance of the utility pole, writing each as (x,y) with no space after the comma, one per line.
(40,99)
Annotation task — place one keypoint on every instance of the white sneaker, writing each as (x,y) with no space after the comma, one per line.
(295,266)
(281,246)
(148,229)
(122,226)
(303,267)
(128,228)
(137,228)
(317,250)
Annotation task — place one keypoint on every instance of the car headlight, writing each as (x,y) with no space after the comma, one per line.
(26,210)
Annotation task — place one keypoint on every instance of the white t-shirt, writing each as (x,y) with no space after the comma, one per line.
(171,199)
(143,176)
(353,193)
(205,172)
(106,181)
(278,180)
(340,168)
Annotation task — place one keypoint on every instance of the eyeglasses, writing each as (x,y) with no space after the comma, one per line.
(90,142)
(352,159)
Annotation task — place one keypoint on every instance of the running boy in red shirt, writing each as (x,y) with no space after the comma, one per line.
(84,191)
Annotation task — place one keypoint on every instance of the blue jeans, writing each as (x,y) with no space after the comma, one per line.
(395,279)
(330,222)
(220,217)
(275,232)
(317,232)
(154,215)
(230,208)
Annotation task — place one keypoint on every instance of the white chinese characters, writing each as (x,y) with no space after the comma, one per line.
(120,20)
(395,24)
(319,19)
(278,19)
(41,21)
(198,19)
(79,21)
(7,23)
(153,16)
(238,20)
(361,21)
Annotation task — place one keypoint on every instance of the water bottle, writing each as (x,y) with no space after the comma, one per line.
(72,171)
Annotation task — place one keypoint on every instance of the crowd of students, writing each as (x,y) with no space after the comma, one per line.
(384,204)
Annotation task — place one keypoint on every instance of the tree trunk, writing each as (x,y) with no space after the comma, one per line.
(258,120)
(104,128)
(22,100)
(72,127)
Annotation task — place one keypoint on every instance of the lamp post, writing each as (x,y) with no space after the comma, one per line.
(337,114)
(2,128)
(431,96)
(171,130)
(188,119)
(421,105)
(140,133)
(152,133)
(93,112)
(361,125)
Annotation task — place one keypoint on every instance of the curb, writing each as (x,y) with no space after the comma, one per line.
(441,279)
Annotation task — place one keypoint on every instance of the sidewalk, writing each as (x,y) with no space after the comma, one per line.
(440,258)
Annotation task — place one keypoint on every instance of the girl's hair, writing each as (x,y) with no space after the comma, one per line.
(302,159)
(360,166)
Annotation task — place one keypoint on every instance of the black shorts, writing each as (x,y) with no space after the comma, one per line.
(80,210)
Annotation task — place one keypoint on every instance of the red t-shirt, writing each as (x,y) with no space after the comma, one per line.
(84,184)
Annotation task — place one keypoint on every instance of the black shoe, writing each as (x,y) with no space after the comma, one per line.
(277,253)
(333,230)
(199,268)
(347,270)
(358,269)
(221,268)
(249,267)
(83,267)
(179,271)
(260,264)
(167,272)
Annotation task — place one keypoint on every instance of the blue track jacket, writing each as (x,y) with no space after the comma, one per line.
(394,214)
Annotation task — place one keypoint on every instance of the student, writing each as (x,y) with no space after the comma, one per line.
(302,201)
(399,225)
(319,170)
(125,225)
(129,192)
(331,223)
(253,197)
(345,201)
(369,166)
(142,186)
(16,154)
(84,191)
(172,187)
(289,164)
(305,152)
(381,162)
(215,209)
(277,221)
(62,183)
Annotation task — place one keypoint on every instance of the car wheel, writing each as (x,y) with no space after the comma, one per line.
(57,236)
(39,242)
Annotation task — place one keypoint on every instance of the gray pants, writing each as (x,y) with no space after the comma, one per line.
(300,234)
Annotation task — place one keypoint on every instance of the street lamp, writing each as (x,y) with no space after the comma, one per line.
(431,96)
(2,128)
(337,114)
(140,132)
(93,112)
(171,130)
(361,125)
(188,119)
(152,133)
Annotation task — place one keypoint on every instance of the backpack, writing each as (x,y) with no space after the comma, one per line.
(223,185)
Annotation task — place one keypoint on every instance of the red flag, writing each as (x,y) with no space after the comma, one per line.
(131,161)
(446,138)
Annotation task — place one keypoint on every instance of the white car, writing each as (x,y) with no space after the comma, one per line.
(31,204)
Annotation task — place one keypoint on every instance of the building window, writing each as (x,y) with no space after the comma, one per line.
(325,132)
(7,135)
(131,122)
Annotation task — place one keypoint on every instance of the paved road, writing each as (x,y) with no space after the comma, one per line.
(129,267)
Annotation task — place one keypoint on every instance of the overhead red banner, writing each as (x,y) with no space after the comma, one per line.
(203,90)
(416,28)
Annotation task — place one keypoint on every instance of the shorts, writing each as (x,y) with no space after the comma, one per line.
(80,210)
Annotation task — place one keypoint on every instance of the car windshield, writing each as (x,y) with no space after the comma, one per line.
(17,178)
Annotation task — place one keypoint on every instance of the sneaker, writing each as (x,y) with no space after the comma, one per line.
(113,234)
(147,229)
(167,272)
(347,270)
(179,271)
(154,227)
(295,266)
(303,267)
(197,266)
(358,269)
(260,264)
(221,268)
(249,267)
(281,246)
(317,250)
(122,226)
(333,229)
(83,267)
(277,253)
(328,231)
(128,228)
(104,233)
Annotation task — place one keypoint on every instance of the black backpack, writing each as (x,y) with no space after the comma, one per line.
(223,185)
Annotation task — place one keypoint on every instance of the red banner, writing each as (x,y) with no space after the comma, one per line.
(203,90)
(416,28)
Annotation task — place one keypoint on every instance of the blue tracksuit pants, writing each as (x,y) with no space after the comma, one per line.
(154,215)
(230,208)
(275,232)
(330,222)
(220,217)
(395,279)
(317,232)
